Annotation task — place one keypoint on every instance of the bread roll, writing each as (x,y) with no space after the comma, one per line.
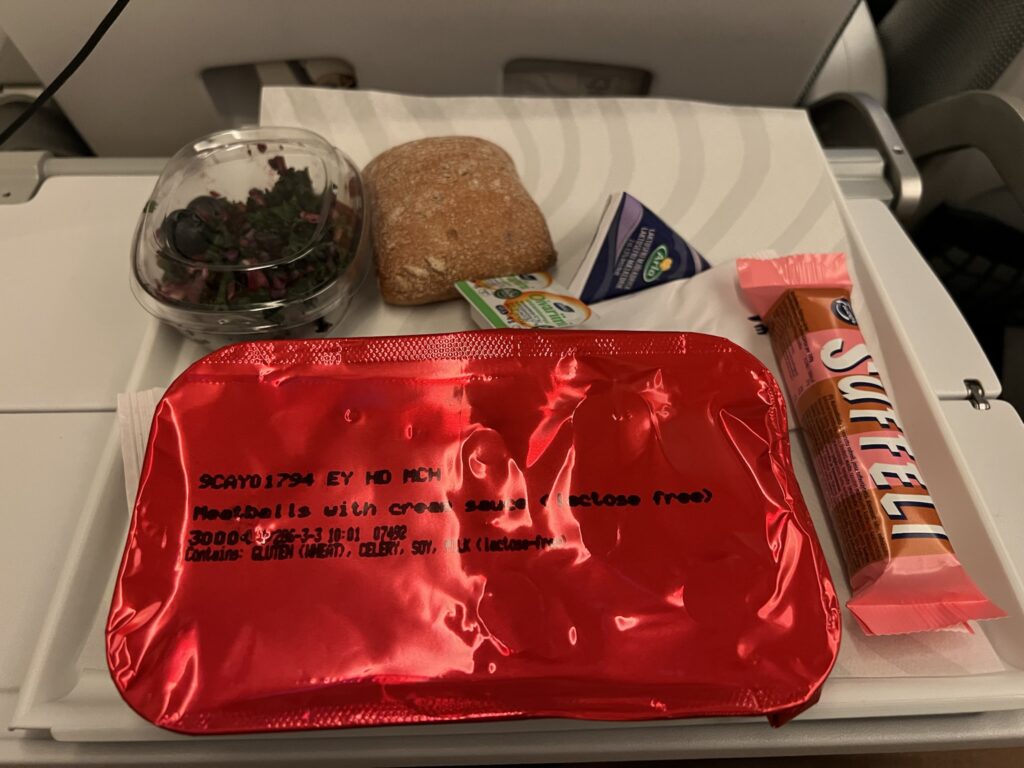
(448,209)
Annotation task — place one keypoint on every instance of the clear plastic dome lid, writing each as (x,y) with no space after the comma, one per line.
(248,220)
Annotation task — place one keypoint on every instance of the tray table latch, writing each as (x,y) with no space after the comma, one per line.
(976,394)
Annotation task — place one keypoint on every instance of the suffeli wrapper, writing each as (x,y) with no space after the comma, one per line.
(903,572)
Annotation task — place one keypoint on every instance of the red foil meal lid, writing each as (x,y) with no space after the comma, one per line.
(470,526)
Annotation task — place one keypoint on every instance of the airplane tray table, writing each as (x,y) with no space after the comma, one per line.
(67,694)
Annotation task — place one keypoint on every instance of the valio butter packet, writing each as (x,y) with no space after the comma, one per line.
(532,300)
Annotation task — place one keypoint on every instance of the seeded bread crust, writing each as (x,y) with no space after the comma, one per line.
(448,209)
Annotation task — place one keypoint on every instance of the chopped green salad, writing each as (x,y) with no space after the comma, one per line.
(226,254)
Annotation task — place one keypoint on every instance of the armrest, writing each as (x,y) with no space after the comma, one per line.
(858,120)
(988,121)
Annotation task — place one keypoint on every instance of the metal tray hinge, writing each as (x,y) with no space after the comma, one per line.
(976,394)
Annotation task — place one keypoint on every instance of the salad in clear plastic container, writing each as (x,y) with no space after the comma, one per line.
(252,233)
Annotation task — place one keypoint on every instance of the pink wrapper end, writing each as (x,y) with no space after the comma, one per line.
(764,280)
(919,594)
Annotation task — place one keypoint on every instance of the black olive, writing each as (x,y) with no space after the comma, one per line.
(186,233)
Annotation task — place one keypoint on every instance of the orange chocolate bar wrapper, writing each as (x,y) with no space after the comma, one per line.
(903,572)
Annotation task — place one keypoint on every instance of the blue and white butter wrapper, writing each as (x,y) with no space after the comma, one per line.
(632,250)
